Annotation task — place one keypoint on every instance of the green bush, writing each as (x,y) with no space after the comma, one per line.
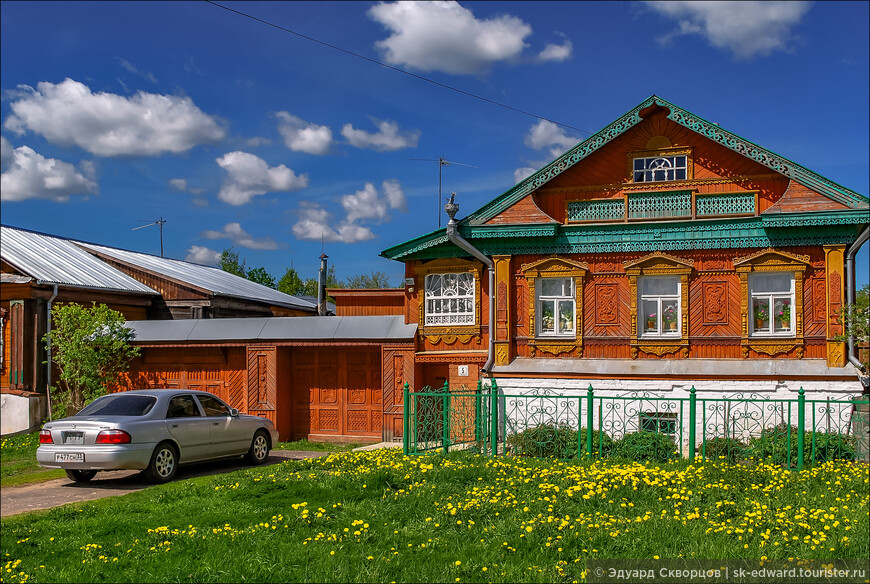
(780,445)
(552,441)
(645,446)
(729,448)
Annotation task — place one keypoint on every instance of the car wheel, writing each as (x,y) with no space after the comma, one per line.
(163,465)
(259,450)
(80,476)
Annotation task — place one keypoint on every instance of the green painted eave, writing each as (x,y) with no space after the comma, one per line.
(687,119)
(787,230)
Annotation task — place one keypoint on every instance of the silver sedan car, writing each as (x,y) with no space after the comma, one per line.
(154,430)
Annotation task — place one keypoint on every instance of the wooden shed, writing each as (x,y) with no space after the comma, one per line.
(321,378)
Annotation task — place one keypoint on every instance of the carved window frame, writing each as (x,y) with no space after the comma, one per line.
(659,264)
(448,266)
(555,267)
(771,260)
(663,153)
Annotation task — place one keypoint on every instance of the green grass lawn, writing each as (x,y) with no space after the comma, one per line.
(377,516)
(18,458)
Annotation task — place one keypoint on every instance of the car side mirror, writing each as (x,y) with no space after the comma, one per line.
(234,412)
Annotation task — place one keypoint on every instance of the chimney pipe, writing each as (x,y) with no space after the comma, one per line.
(321,286)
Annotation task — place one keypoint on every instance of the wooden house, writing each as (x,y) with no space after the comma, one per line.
(41,270)
(661,253)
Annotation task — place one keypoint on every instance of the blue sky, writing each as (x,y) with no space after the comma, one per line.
(241,134)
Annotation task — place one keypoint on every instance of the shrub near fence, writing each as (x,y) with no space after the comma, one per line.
(635,426)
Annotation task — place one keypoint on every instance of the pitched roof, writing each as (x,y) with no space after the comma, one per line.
(314,328)
(55,260)
(474,224)
(208,278)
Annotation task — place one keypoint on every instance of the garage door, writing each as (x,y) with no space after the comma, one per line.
(337,392)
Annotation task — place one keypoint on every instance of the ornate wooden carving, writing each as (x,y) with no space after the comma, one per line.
(715,300)
(559,268)
(606,304)
(659,264)
(448,334)
(820,310)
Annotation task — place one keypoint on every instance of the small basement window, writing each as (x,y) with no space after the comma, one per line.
(659,423)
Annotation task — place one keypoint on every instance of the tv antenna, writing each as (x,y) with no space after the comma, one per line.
(441,162)
(159,222)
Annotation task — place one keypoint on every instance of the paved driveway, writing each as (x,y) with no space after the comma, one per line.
(14,500)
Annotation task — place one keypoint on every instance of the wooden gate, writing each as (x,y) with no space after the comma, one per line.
(337,393)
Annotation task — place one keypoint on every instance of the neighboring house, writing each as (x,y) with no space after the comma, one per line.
(661,253)
(40,270)
(368,302)
(333,378)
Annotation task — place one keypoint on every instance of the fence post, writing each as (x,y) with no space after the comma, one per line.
(800,437)
(406,435)
(589,401)
(493,414)
(692,413)
(445,418)
(477,411)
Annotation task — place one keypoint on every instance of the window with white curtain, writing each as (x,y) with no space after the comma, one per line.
(449,299)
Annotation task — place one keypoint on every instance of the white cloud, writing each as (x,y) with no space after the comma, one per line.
(747,29)
(199,254)
(302,136)
(523,172)
(548,135)
(444,36)
(107,124)
(240,237)
(257,141)
(6,153)
(387,139)
(249,176)
(554,52)
(180,184)
(395,195)
(28,175)
(365,204)
(314,224)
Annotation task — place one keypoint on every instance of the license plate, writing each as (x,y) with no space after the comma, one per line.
(69,457)
(74,438)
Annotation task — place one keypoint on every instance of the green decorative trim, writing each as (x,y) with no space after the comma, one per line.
(804,219)
(535,230)
(725,204)
(595,211)
(660,205)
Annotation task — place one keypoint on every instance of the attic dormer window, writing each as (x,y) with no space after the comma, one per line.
(660,168)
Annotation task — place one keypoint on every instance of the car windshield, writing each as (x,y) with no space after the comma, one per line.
(120,405)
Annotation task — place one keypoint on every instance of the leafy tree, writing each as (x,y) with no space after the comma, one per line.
(261,276)
(291,283)
(91,348)
(229,262)
(374,279)
(855,319)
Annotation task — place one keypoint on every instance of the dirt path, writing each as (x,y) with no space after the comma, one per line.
(32,497)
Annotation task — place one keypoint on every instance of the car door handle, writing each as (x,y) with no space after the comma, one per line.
(173,425)
(216,423)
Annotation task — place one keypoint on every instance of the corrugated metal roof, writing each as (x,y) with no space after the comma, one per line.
(209,278)
(309,328)
(55,260)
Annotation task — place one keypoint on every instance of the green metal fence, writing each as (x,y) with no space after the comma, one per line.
(635,426)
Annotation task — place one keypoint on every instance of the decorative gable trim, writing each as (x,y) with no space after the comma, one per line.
(688,120)
(659,263)
(555,266)
(777,260)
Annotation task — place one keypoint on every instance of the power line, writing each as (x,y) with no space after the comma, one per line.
(398,69)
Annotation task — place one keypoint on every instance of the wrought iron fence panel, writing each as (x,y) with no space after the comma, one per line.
(546,423)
